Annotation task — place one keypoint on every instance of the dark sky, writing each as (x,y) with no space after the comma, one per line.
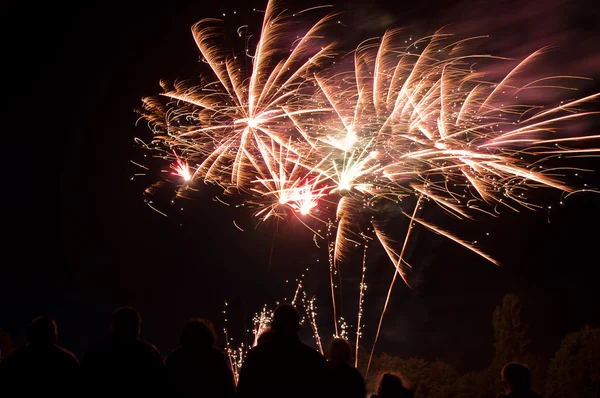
(81,241)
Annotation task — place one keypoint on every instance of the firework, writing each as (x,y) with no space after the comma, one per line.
(236,355)
(303,130)
(401,118)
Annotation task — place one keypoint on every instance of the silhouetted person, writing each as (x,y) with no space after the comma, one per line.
(392,386)
(284,366)
(517,381)
(265,336)
(41,367)
(123,364)
(346,380)
(197,368)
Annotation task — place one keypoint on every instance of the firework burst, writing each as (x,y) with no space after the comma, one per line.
(303,130)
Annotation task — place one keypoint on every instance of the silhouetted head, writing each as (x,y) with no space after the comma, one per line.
(198,333)
(338,351)
(126,322)
(42,331)
(286,320)
(391,386)
(516,377)
(265,336)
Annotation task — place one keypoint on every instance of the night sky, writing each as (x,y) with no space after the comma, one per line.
(80,241)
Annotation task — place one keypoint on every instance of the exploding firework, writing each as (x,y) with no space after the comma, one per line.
(303,130)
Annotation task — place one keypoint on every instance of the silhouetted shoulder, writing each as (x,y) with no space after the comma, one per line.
(175,355)
(56,354)
(149,346)
(213,356)
(111,350)
(37,371)
(260,349)
(347,382)
(138,345)
(312,352)
(348,370)
(313,355)
(67,355)
(220,357)
(212,352)
(194,369)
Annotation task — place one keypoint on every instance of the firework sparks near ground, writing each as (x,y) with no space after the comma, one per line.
(236,355)
(303,130)
(262,323)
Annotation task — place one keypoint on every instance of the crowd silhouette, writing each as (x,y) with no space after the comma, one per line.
(198,363)
(123,364)
(40,366)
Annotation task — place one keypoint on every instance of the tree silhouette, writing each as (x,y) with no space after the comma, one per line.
(424,378)
(575,369)
(511,340)
(480,384)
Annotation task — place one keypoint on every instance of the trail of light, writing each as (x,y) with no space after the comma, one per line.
(529,175)
(442,201)
(455,239)
(331,267)
(566,151)
(504,81)
(311,312)
(296,293)
(362,288)
(538,141)
(139,165)
(156,210)
(565,106)
(237,226)
(398,265)
(527,129)
(231,354)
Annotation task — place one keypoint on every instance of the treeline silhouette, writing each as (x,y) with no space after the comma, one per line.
(573,371)
(281,365)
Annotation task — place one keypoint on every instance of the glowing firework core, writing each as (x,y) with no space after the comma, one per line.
(182,169)
(253,123)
